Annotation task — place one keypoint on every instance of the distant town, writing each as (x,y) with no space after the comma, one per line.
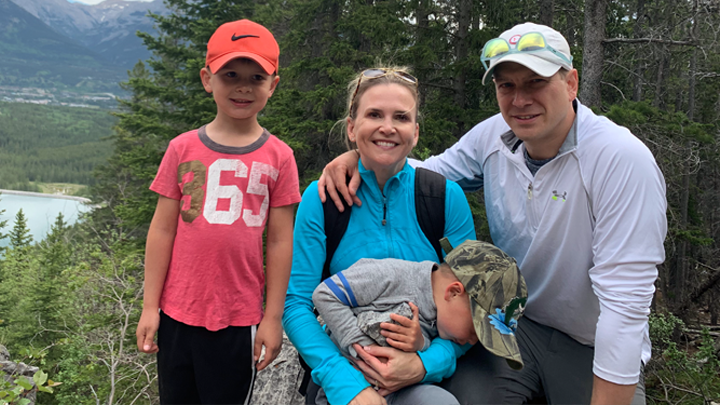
(33,95)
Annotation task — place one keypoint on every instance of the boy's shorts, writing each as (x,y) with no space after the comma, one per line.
(197,366)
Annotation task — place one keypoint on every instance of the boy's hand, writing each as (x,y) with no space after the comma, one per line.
(147,326)
(269,334)
(407,336)
(334,176)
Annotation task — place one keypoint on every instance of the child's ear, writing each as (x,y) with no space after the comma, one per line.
(274,84)
(205,78)
(454,289)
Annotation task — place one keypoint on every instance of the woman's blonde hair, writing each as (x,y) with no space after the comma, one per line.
(355,93)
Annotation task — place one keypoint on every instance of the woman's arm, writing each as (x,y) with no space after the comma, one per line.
(340,380)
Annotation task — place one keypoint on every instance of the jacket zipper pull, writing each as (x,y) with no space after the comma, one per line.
(384,221)
(530,193)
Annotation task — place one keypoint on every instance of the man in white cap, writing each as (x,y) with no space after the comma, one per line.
(580,203)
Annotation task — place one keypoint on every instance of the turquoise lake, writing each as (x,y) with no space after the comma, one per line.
(40,211)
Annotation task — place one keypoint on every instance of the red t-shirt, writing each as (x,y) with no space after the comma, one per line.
(215,278)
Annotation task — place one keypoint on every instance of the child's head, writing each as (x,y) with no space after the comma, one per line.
(494,295)
(241,68)
(242,39)
(454,316)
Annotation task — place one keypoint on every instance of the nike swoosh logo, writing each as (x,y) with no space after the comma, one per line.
(235,38)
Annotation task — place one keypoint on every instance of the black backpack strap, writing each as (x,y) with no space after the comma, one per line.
(336,224)
(430,206)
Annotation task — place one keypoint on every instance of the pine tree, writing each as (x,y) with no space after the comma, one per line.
(3,224)
(20,235)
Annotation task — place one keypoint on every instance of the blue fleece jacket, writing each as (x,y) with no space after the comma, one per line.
(400,237)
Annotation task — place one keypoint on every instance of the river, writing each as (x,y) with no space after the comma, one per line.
(41,210)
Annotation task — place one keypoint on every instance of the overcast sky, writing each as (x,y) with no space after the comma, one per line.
(95,1)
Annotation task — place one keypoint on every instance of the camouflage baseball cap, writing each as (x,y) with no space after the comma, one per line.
(497,294)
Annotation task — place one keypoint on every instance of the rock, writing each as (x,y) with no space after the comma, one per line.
(278,383)
(369,322)
(11,371)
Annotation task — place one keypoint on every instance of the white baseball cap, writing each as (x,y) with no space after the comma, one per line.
(545,61)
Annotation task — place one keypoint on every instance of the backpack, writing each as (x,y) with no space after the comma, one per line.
(430,210)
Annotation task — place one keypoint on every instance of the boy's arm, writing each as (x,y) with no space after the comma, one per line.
(277,271)
(158,250)
(337,315)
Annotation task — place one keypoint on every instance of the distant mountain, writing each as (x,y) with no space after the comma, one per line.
(107,28)
(34,55)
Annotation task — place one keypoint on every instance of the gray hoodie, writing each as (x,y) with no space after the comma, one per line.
(375,285)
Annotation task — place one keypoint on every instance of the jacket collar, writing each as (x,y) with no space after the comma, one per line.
(368,176)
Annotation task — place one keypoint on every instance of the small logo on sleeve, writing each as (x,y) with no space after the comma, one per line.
(557,196)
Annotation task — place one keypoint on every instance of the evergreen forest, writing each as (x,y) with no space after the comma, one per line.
(51,144)
(70,303)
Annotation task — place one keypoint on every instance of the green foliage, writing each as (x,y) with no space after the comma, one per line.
(3,224)
(51,144)
(17,390)
(679,376)
(20,235)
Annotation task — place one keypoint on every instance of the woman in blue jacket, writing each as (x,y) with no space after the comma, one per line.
(382,127)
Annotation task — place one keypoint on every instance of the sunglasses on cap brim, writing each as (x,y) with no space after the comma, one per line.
(531,42)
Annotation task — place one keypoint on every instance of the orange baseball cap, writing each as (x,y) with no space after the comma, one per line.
(242,39)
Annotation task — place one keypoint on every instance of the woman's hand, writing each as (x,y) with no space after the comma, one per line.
(388,368)
(368,396)
(407,336)
(334,177)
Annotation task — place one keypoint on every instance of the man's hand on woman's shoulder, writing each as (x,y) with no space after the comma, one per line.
(334,178)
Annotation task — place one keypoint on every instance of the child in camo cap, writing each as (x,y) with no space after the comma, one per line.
(497,293)
(476,295)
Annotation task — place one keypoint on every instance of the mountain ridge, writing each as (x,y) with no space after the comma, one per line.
(108,28)
(34,55)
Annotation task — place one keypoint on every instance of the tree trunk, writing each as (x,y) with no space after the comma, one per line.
(658,100)
(423,23)
(547,11)
(639,64)
(593,58)
(463,13)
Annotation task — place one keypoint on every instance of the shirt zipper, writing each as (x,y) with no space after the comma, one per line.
(384,220)
(530,191)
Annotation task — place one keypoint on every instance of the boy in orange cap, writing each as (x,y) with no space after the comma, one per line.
(219,186)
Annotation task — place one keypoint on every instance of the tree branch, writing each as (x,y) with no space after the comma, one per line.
(649,40)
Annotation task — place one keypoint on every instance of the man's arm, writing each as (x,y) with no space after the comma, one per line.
(607,393)
(158,250)
(277,270)
(628,201)
(461,163)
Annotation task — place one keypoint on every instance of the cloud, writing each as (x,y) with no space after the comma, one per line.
(91,2)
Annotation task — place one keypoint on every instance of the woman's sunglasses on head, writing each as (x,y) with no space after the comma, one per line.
(370,74)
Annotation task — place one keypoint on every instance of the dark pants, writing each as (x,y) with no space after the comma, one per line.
(557,369)
(197,366)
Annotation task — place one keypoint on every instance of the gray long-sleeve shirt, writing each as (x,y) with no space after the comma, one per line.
(377,285)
